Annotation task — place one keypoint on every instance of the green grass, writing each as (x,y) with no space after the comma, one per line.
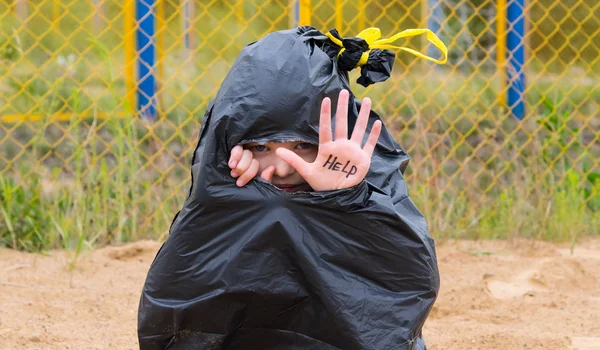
(101,195)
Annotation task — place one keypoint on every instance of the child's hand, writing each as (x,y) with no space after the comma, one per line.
(245,168)
(340,163)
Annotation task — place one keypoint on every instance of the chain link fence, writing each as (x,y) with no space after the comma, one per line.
(79,166)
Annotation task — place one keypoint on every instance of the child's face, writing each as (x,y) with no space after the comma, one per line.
(285,176)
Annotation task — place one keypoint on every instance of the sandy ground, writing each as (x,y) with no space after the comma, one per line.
(495,295)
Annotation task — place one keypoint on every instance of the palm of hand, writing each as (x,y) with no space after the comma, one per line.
(340,163)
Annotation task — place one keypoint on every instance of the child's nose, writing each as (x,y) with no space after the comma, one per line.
(283,169)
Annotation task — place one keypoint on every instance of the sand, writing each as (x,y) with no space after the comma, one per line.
(495,295)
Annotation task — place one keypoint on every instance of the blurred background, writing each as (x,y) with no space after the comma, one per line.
(101,104)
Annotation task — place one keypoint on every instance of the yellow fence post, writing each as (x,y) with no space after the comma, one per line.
(339,15)
(300,13)
(129,43)
(362,15)
(501,48)
(305,11)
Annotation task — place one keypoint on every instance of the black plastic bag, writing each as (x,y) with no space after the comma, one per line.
(259,268)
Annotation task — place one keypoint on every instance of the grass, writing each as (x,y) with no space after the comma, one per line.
(99,199)
(100,177)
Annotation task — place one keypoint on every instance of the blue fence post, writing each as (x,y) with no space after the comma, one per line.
(515,48)
(145,15)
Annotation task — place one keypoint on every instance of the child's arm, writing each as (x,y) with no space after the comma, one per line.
(341,162)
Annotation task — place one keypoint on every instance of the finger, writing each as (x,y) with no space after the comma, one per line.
(243,164)
(293,159)
(325,121)
(361,124)
(341,116)
(267,174)
(248,174)
(373,137)
(236,155)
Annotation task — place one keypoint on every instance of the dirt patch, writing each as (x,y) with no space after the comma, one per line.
(495,295)
(141,251)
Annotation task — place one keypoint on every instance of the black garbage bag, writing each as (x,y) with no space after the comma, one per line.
(258,268)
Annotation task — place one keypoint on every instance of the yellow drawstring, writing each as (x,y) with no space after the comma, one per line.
(372,37)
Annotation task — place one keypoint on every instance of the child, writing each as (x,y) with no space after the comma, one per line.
(301,166)
(298,232)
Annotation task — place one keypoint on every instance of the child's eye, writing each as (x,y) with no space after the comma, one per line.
(259,148)
(305,145)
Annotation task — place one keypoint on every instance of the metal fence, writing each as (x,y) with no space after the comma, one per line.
(105,98)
